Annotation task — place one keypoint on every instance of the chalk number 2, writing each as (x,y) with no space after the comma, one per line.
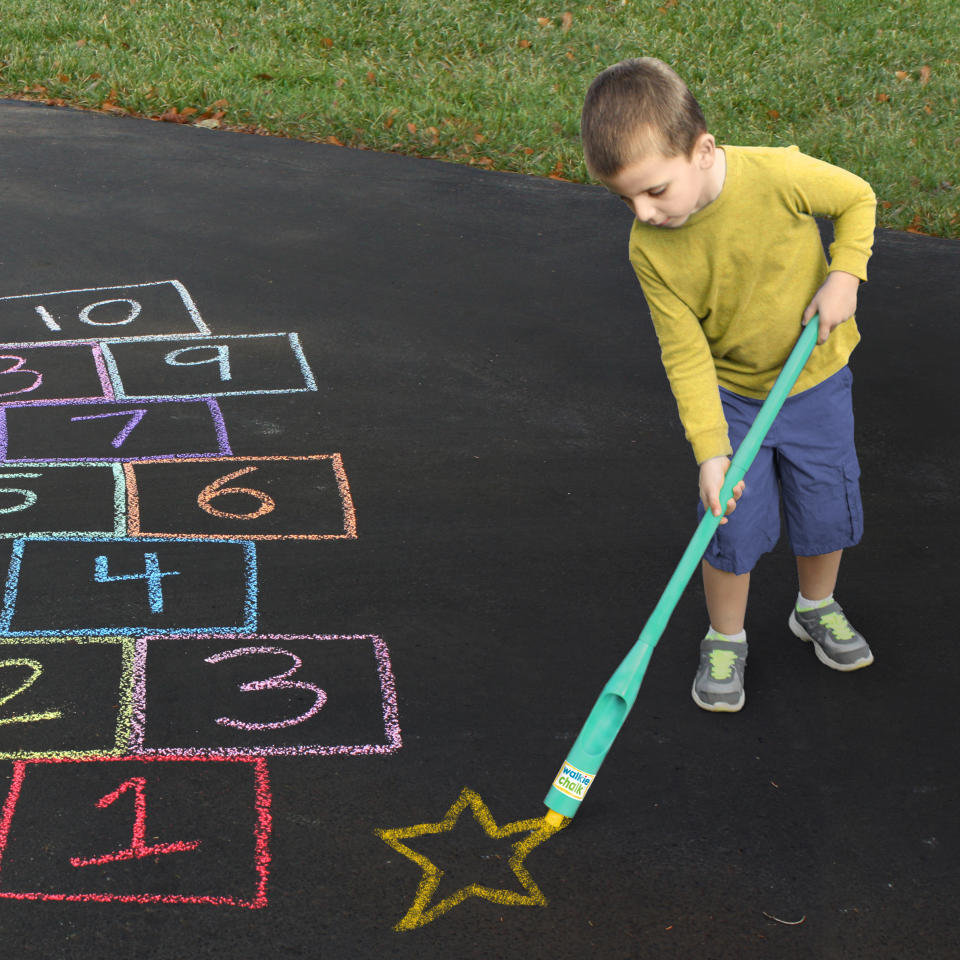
(35,668)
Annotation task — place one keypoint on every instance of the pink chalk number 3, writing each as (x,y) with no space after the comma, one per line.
(277,682)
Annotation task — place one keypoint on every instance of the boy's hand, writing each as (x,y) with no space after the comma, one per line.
(712,474)
(835,301)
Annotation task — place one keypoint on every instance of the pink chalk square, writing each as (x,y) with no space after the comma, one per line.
(58,373)
(248,695)
(250,498)
(146,830)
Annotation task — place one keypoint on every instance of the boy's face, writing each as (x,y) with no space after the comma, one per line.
(667,191)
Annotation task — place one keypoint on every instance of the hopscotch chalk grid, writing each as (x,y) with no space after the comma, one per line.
(133,566)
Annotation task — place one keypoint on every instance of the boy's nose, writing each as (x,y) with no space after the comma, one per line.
(644,211)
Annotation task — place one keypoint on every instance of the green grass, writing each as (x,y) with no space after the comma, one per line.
(871,85)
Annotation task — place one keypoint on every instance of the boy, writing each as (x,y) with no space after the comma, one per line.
(729,257)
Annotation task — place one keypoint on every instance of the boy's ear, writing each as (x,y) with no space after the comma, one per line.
(705,150)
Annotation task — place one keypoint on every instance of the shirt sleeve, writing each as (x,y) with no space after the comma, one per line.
(821,189)
(689,365)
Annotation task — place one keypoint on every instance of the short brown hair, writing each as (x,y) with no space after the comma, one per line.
(634,108)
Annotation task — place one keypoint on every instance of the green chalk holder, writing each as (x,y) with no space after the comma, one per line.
(618,696)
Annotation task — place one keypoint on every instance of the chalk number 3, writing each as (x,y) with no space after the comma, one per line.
(277,682)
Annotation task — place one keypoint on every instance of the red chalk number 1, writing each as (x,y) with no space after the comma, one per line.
(137,849)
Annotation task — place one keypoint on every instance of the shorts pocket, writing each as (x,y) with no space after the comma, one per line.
(851,485)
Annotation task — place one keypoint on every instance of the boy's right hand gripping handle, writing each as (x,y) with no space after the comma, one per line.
(618,696)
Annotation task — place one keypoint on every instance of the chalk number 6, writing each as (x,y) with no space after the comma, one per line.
(217,489)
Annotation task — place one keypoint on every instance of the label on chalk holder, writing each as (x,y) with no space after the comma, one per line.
(573,782)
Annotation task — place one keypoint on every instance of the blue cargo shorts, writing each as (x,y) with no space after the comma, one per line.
(809,463)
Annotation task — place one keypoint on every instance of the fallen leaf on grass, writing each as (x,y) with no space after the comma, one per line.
(566,21)
(173,115)
(883,97)
(902,75)
(924,75)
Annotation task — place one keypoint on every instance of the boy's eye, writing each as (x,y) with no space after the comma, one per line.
(658,192)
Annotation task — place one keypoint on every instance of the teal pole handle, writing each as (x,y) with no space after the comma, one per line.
(618,696)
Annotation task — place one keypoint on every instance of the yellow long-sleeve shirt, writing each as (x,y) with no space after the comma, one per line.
(727,290)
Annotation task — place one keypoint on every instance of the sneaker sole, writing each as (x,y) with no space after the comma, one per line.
(797,630)
(717,707)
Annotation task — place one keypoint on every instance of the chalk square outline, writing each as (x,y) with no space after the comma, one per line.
(216,415)
(119,499)
(98,361)
(11,586)
(123,730)
(388,700)
(121,394)
(263,826)
(186,299)
(343,488)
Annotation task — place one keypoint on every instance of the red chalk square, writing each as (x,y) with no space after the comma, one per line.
(156,830)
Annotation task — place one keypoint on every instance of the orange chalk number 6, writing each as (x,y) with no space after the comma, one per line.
(218,489)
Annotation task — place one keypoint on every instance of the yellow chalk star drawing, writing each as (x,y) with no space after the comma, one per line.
(420,913)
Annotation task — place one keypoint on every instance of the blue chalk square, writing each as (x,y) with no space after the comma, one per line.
(213,366)
(97,586)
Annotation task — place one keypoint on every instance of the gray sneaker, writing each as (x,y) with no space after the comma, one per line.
(835,642)
(718,685)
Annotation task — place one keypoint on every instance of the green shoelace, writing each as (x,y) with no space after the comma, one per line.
(721,664)
(838,625)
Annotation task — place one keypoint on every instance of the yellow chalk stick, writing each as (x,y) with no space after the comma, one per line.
(554,819)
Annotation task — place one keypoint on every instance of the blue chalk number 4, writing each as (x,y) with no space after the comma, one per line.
(151,573)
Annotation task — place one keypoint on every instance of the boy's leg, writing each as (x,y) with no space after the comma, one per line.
(736,546)
(726,595)
(718,684)
(818,575)
(819,475)
(817,617)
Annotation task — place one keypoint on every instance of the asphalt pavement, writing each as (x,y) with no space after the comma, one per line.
(337,484)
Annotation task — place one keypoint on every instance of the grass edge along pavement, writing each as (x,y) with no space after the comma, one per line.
(498,84)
